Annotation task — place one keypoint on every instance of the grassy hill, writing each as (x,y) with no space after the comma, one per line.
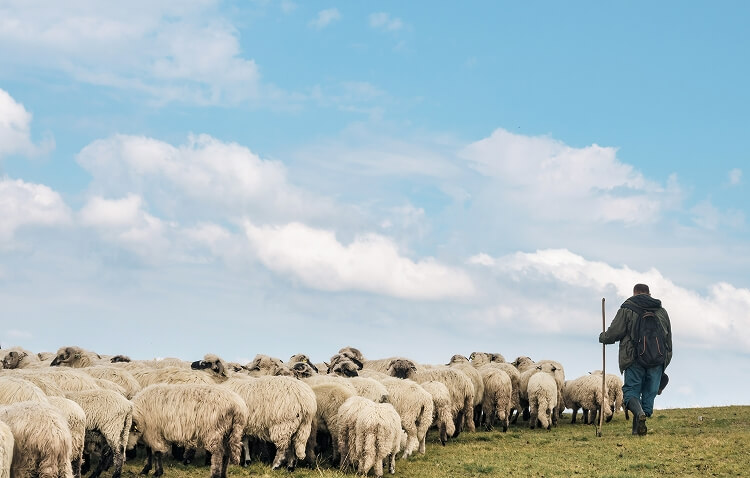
(685,442)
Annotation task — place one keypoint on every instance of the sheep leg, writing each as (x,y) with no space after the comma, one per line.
(459,422)
(216,464)
(282,449)
(533,411)
(149,461)
(178,452)
(585,413)
(86,465)
(575,412)
(245,450)
(443,434)
(189,456)
(207,459)
(159,470)
(103,461)
(392,463)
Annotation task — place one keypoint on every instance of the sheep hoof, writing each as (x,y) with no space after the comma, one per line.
(144,471)
(505,428)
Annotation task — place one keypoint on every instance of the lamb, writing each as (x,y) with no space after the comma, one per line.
(121,377)
(76,357)
(462,363)
(586,392)
(459,386)
(542,390)
(415,408)
(111,415)
(16,357)
(614,386)
(370,433)
(43,443)
(76,420)
(281,410)
(442,410)
(329,397)
(190,415)
(497,401)
(6,450)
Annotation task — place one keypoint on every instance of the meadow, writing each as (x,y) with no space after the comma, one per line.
(680,442)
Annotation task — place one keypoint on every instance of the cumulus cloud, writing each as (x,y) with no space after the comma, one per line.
(370,263)
(15,129)
(735,176)
(721,316)
(708,216)
(324,18)
(25,204)
(170,51)
(226,178)
(383,21)
(552,180)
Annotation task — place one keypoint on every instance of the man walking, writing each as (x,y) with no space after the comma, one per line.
(642,326)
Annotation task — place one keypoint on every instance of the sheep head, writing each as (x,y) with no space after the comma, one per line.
(68,356)
(120,359)
(344,368)
(13,359)
(402,368)
(458,358)
(213,363)
(303,370)
(264,365)
(297,358)
(354,354)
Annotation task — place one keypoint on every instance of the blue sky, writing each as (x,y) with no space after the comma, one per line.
(417,179)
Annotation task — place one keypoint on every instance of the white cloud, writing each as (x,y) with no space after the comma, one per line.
(170,51)
(25,204)
(708,216)
(325,18)
(554,181)
(126,223)
(15,129)
(721,317)
(735,176)
(205,174)
(383,21)
(370,263)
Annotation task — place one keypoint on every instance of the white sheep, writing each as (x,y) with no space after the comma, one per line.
(170,375)
(524,382)
(190,415)
(371,432)
(515,380)
(482,358)
(76,420)
(64,379)
(6,450)
(43,443)
(542,391)
(586,392)
(415,408)
(121,377)
(329,397)
(281,410)
(16,357)
(462,363)
(498,393)
(442,410)
(111,415)
(370,388)
(76,357)
(15,389)
(614,386)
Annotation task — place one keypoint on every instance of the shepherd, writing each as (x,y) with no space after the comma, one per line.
(642,326)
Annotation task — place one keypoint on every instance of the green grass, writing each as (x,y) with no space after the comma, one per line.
(680,442)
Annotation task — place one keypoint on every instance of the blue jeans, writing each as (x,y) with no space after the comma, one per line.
(643,384)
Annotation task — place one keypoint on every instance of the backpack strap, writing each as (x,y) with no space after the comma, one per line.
(631,306)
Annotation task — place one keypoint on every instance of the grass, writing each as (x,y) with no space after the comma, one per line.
(680,442)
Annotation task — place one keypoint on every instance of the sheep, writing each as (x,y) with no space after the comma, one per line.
(76,419)
(301,358)
(170,375)
(559,376)
(614,386)
(190,415)
(370,388)
(45,383)
(482,358)
(459,386)
(515,380)
(111,415)
(442,410)
(42,440)
(497,399)
(264,365)
(281,410)
(542,390)
(523,363)
(303,370)
(415,408)
(64,379)
(121,377)
(75,357)
(344,367)
(353,354)
(45,356)
(16,357)
(6,450)
(329,397)
(120,359)
(524,382)
(462,363)
(215,365)
(371,432)
(16,389)
(586,392)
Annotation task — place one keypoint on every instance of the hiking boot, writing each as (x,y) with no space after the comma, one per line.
(639,418)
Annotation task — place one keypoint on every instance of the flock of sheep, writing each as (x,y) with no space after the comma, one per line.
(59,411)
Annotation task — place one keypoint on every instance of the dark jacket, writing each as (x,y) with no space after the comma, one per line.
(623,328)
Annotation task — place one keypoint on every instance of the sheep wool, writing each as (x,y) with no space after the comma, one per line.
(15,389)
(498,393)
(329,397)
(42,440)
(76,419)
(190,415)
(442,410)
(16,357)
(586,392)
(542,392)
(415,409)
(6,450)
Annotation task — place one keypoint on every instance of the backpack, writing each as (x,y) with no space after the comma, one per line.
(650,338)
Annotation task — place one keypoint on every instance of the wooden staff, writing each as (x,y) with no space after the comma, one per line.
(604,377)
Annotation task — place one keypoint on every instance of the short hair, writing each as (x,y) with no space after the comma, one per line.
(640,289)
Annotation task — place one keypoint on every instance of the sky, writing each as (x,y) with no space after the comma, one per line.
(416,179)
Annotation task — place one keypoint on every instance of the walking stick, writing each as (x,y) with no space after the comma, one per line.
(604,377)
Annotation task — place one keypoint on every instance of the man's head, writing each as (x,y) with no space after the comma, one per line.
(641,289)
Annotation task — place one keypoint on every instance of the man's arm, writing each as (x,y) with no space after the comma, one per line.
(616,330)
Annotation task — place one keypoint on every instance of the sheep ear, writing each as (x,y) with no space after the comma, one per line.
(554,369)
(539,367)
